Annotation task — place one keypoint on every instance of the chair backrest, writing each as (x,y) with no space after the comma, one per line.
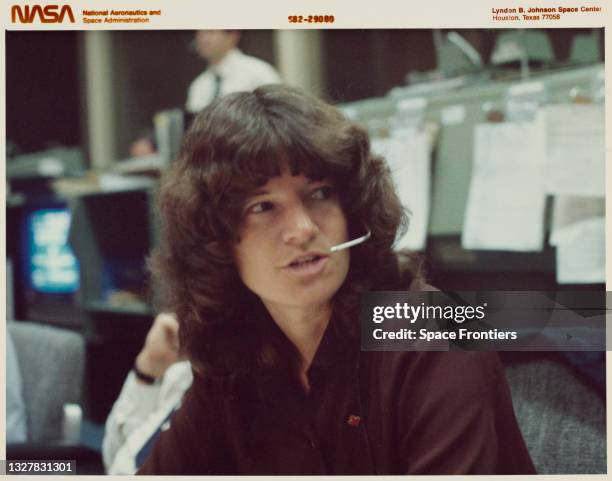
(563,420)
(51,365)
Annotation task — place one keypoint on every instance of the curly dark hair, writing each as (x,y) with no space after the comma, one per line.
(234,146)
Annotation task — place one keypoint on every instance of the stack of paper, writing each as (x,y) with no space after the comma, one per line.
(575,149)
(505,207)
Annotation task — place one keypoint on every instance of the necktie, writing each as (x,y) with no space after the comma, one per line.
(217,86)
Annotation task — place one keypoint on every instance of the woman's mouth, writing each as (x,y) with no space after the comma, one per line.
(308,265)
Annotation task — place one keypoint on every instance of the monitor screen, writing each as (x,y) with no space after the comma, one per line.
(51,266)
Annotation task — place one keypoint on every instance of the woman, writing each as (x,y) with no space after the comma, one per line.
(266,184)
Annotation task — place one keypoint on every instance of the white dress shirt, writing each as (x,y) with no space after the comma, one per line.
(138,414)
(238,72)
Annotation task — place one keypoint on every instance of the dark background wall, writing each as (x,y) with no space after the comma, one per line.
(367,63)
(42,89)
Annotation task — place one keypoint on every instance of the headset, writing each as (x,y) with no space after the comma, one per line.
(351,243)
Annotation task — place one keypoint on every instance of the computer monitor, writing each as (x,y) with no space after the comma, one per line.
(49,273)
(52,267)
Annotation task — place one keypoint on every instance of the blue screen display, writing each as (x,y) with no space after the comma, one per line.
(52,265)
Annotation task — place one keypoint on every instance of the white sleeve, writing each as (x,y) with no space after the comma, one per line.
(136,402)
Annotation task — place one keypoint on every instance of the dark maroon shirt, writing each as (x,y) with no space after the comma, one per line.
(365,413)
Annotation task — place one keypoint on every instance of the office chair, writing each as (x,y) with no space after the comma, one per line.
(562,418)
(51,362)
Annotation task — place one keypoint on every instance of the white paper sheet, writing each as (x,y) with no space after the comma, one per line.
(581,252)
(408,153)
(568,210)
(505,207)
(453,115)
(575,149)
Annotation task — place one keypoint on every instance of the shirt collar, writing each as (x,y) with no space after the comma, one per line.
(225,66)
(334,347)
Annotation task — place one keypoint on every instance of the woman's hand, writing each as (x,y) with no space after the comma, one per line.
(161,348)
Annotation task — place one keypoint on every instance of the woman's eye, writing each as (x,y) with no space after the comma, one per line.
(260,207)
(322,193)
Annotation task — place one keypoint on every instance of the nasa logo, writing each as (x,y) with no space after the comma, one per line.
(46,14)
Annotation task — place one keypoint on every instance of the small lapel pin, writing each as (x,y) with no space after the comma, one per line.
(353,420)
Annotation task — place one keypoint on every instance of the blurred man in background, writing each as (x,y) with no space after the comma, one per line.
(229,70)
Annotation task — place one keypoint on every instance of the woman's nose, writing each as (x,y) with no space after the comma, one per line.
(299,227)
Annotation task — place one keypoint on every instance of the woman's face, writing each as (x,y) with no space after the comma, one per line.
(287,229)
